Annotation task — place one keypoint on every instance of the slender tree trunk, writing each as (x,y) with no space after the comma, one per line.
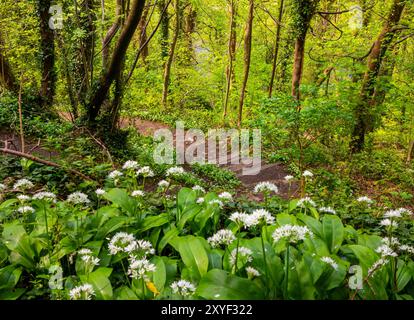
(142,27)
(305,11)
(114,68)
(165,21)
(231,55)
(247,58)
(7,78)
(277,43)
(168,64)
(410,152)
(47,51)
(111,33)
(190,25)
(363,112)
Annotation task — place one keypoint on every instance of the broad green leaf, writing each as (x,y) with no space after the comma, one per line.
(122,199)
(194,255)
(100,282)
(154,221)
(9,276)
(12,233)
(333,232)
(220,285)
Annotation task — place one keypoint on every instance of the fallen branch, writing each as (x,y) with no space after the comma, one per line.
(45,162)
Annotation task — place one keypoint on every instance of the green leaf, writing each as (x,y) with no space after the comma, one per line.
(194,255)
(122,199)
(154,221)
(9,276)
(220,285)
(160,275)
(100,282)
(125,293)
(168,237)
(333,232)
(313,224)
(12,233)
(13,294)
(403,275)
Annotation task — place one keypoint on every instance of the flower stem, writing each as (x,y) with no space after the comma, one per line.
(286,293)
(264,256)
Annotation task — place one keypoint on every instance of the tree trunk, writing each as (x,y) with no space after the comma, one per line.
(410,153)
(165,20)
(114,69)
(190,24)
(276,53)
(111,33)
(7,78)
(168,64)
(142,27)
(305,9)
(230,77)
(364,116)
(247,58)
(47,52)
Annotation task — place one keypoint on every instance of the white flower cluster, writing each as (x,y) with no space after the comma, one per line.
(307,173)
(389,223)
(200,200)
(119,242)
(139,268)
(126,242)
(163,184)
(100,192)
(217,202)
(78,198)
(225,196)
(83,292)
(48,196)
(288,178)
(138,193)
(398,213)
(26,209)
(23,184)
(376,266)
(198,188)
(222,237)
(23,198)
(174,171)
(266,187)
(130,165)
(252,272)
(183,288)
(291,233)
(115,175)
(87,257)
(145,172)
(407,248)
(257,217)
(243,254)
(386,251)
(330,261)
(327,210)
(306,201)
(365,199)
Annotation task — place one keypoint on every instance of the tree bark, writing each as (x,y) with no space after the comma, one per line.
(363,112)
(165,21)
(168,64)
(47,52)
(114,69)
(276,53)
(247,58)
(142,27)
(231,49)
(305,11)
(111,33)
(190,25)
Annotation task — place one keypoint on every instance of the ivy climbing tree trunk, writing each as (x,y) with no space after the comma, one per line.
(363,111)
(114,69)
(190,25)
(305,10)
(165,21)
(277,44)
(142,27)
(47,53)
(231,52)
(168,64)
(247,58)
